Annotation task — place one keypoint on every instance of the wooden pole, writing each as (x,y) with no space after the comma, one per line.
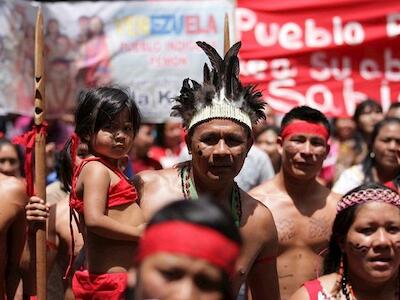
(40,165)
(227,43)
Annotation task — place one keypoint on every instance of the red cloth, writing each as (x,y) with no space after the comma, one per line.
(28,141)
(109,286)
(192,240)
(391,185)
(147,163)
(120,193)
(313,288)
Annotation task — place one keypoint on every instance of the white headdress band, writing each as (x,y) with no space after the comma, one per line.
(220,110)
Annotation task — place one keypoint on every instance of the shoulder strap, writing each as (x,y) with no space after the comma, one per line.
(78,169)
(113,168)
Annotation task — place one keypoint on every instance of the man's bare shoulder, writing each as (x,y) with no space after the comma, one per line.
(334,197)
(157,188)
(256,215)
(157,176)
(264,192)
(156,180)
(13,190)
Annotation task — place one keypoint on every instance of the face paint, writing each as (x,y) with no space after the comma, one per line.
(356,247)
(372,244)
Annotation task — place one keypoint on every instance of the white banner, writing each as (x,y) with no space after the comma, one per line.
(148,47)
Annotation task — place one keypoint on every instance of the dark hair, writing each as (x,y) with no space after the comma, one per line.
(96,107)
(343,221)
(206,213)
(394,105)
(18,150)
(363,106)
(369,162)
(265,128)
(305,113)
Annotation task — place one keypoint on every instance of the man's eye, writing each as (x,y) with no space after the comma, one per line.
(205,283)
(210,140)
(233,141)
(172,274)
(393,229)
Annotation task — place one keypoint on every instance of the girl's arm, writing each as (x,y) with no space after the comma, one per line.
(96,182)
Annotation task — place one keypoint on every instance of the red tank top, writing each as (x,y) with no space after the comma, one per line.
(120,193)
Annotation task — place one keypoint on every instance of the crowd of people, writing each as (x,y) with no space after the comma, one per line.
(219,202)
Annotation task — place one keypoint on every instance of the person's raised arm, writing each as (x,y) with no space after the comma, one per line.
(37,211)
(96,181)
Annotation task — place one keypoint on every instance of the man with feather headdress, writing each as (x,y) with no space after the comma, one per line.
(218,116)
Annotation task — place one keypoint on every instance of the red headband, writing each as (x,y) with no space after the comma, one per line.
(192,240)
(368,195)
(300,126)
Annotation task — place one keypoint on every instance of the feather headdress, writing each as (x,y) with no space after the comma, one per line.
(221,95)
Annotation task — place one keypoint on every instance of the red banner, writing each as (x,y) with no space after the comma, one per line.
(326,54)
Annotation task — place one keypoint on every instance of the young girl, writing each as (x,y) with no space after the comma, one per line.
(110,218)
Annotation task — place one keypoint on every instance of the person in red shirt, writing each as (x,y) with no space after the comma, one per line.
(140,159)
(169,143)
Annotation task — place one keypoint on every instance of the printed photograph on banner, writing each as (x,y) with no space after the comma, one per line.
(148,47)
(17,19)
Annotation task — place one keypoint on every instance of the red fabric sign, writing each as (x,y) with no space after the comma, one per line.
(326,54)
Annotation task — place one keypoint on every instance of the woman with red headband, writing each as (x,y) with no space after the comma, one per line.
(188,251)
(364,251)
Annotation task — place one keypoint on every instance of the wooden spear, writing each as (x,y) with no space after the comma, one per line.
(40,165)
(227,43)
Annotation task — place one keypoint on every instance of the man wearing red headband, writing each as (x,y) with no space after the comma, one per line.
(218,116)
(302,208)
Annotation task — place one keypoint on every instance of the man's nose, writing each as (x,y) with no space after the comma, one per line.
(306,148)
(186,290)
(221,148)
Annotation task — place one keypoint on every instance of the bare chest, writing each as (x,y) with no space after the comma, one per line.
(301,231)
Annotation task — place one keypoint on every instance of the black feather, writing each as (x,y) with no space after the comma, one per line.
(224,74)
(215,59)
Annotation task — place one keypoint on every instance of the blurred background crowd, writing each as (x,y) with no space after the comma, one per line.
(360,150)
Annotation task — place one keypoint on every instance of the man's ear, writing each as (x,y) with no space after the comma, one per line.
(188,141)
(279,142)
(328,149)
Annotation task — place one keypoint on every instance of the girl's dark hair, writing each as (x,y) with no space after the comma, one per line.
(96,108)
(343,221)
(206,213)
(363,106)
(369,161)
(20,154)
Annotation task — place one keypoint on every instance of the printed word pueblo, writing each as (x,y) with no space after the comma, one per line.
(295,36)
